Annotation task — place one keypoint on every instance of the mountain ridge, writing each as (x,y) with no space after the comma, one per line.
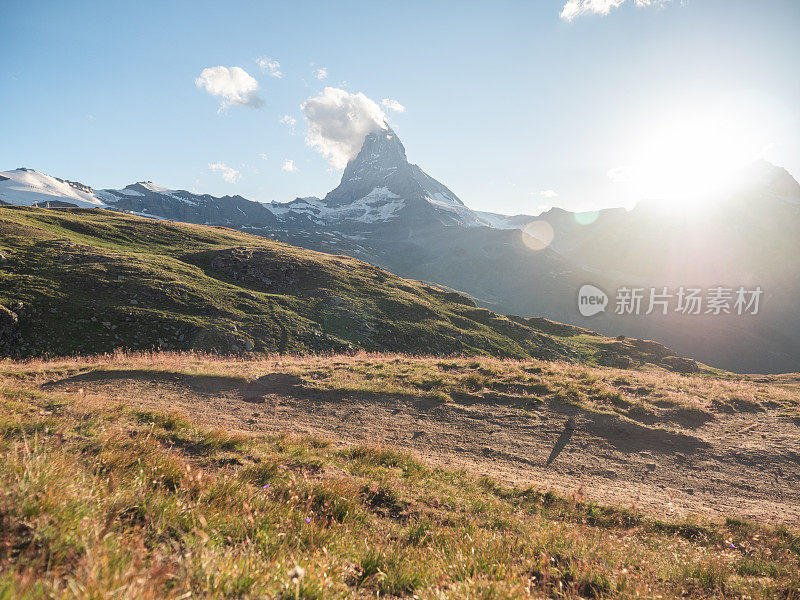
(390,213)
(80,281)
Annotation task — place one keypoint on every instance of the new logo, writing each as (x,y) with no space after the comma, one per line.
(591,300)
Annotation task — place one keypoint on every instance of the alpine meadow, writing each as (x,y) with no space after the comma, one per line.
(421,301)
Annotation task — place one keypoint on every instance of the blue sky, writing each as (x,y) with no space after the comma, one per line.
(510,104)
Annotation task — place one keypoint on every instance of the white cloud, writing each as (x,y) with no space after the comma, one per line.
(394,105)
(231,85)
(338,122)
(575,8)
(288,166)
(229,174)
(262,155)
(269,65)
(621,174)
(290,121)
(548,193)
(321,73)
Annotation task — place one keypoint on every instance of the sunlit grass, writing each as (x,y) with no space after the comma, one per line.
(627,392)
(101,500)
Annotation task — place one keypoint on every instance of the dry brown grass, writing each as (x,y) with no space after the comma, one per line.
(597,388)
(99,500)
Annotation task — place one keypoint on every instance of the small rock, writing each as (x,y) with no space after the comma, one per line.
(10,335)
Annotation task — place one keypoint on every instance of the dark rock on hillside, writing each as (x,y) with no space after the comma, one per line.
(256,268)
(55,204)
(10,336)
(680,364)
(451,296)
(629,351)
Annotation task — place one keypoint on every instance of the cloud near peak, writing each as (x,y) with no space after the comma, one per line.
(338,122)
(232,85)
(393,105)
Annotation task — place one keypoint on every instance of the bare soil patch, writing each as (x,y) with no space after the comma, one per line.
(743,464)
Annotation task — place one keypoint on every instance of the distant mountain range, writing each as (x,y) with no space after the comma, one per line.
(391,213)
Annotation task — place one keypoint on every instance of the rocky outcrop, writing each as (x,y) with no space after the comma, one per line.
(10,335)
(627,352)
(680,364)
(256,268)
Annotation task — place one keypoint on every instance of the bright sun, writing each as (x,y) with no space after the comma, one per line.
(692,152)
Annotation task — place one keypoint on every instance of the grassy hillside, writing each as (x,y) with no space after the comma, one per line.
(88,281)
(104,499)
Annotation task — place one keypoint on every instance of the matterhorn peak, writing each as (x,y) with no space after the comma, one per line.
(381,176)
(383,147)
(381,158)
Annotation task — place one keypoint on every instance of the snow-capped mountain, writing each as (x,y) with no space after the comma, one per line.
(391,213)
(379,185)
(147,198)
(31,188)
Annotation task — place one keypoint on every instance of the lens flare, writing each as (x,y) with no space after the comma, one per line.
(586,218)
(538,235)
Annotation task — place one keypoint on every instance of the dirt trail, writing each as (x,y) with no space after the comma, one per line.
(727,464)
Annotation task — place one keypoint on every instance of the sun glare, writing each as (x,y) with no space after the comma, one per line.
(693,152)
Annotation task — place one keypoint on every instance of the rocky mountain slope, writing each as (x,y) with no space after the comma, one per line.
(390,213)
(86,281)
